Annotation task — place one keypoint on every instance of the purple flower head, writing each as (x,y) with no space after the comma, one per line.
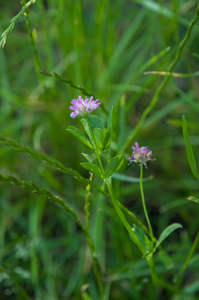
(141,155)
(83,107)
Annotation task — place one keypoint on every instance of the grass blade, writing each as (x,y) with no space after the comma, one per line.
(190,155)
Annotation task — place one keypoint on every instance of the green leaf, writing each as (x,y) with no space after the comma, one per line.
(166,232)
(113,165)
(142,237)
(190,155)
(106,138)
(79,135)
(194,199)
(87,129)
(86,296)
(98,135)
(95,122)
(110,118)
(122,123)
(106,154)
(88,157)
(102,137)
(93,168)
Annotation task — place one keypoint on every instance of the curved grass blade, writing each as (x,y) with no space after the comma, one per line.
(190,155)
(179,276)
(52,162)
(126,178)
(30,186)
(172,74)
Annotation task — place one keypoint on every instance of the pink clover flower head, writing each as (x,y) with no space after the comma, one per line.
(83,107)
(141,155)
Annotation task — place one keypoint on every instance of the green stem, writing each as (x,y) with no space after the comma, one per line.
(87,204)
(32,40)
(96,146)
(123,219)
(96,267)
(135,218)
(150,261)
(149,257)
(144,205)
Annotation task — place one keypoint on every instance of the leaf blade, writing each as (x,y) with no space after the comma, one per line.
(190,155)
(113,165)
(92,168)
(166,232)
(77,133)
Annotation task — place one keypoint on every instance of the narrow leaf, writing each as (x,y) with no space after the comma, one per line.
(113,165)
(88,157)
(167,232)
(126,178)
(106,138)
(86,296)
(93,168)
(194,199)
(190,155)
(77,133)
(122,123)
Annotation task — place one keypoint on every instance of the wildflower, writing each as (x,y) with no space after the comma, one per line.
(83,107)
(141,155)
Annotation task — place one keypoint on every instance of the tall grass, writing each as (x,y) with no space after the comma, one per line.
(77,248)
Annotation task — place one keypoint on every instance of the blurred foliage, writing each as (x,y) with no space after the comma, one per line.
(102,46)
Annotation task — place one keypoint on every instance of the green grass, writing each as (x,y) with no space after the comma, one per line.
(104,47)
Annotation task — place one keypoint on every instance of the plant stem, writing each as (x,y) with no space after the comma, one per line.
(32,40)
(87,204)
(123,219)
(96,267)
(149,257)
(96,146)
(150,261)
(144,205)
